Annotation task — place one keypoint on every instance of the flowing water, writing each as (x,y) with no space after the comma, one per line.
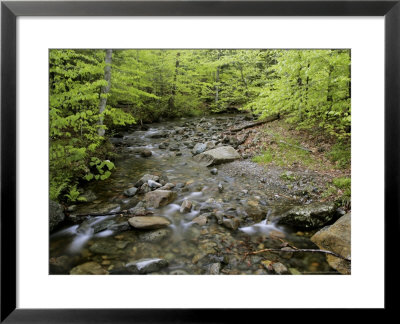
(188,248)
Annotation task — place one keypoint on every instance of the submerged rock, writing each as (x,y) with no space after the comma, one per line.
(56,214)
(336,238)
(231,223)
(130,192)
(159,198)
(146,153)
(155,236)
(218,155)
(88,268)
(144,266)
(148,222)
(309,216)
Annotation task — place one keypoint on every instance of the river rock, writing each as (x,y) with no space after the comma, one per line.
(89,196)
(88,268)
(146,178)
(231,223)
(130,192)
(186,206)
(159,198)
(214,268)
(120,227)
(200,220)
(214,171)
(199,148)
(158,134)
(56,214)
(167,186)
(148,222)
(104,247)
(309,216)
(146,153)
(143,266)
(138,210)
(155,236)
(336,238)
(279,268)
(218,155)
(153,184)
(95,225)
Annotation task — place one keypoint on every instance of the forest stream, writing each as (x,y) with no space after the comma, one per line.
(213,217)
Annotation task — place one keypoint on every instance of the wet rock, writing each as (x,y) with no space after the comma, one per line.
(158,134)
(104,247)
(130,192)
(336,238)
(260,272)
(214,171)
(144,188)
(279,268)
(60,264)
(138,210)
(214,268)
(120,227)
(148,222)
(309,216)
(200,220)
(159,198)
(286,253)
(155,236)
(144,266)
(56,214)
(231,223)
(218,155)
(95,225)
(219,215)
(153,184)
(146,178)
(88,268)
(167,186)
(146,153)
(199,148)
(220,187)
(186,206)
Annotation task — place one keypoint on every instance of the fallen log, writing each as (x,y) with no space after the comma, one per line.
(266,120)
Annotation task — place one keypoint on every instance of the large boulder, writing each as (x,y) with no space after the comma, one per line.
(56,214)
(336,238)
(148,222)
(218,155)
(143,266)
(309,216)
(159,198)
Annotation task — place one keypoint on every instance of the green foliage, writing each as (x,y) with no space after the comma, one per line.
(341,188)
(265,157)
(287,176)
(73,194)
(341,154)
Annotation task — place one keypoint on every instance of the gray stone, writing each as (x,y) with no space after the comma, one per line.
(148,222)
(309,216)
(153,184)
(146,153)
(279,268)
(146,178)
(158,134)
(56,214)
(231,223)
(199,148)
(200,220)
(218,155)
(336,238)
(214,171)
(130,192)
(143,266)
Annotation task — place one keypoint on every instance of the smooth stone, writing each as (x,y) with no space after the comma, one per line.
(148,222)
(130,192)
(231,223)
(146,178)
(279,268)
(214,269)
(200,220)
(159,198)
(214,171)
(88,268)
(155,236)
(336,238)
(146,153)
(218,155)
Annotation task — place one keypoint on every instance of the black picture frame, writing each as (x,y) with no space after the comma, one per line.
(10,10)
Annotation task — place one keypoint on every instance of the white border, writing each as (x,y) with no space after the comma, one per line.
(364,288)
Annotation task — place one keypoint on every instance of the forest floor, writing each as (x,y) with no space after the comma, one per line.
(279,148)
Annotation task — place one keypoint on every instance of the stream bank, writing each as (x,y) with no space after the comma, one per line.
(173,212)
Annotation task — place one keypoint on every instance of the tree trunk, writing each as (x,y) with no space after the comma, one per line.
(171,101)
(105,90)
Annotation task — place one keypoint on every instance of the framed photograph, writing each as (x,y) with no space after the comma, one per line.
(162,158)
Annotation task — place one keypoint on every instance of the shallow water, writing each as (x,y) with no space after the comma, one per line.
(188,247)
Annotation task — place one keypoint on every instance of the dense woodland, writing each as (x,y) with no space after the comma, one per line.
(94,93)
